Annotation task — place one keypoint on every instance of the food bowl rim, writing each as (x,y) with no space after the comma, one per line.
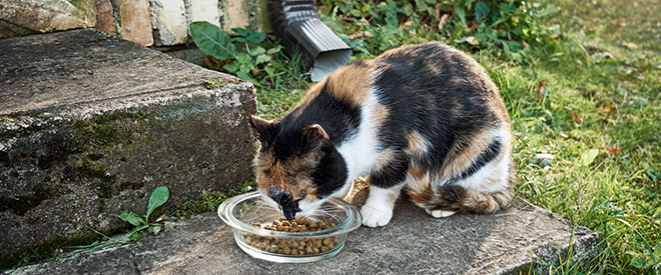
(353,221)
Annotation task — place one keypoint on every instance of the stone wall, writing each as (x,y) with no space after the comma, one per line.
(146,22)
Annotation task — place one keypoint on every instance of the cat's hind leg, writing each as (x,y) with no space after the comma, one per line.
(457,199)
(446,200)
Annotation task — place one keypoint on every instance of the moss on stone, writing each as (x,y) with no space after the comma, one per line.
(212,83)
(116,128)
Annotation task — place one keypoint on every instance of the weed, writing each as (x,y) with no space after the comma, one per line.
(246,60)
(210,201)
(507,25)
(141,222)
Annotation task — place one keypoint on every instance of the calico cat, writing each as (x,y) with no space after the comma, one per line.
(425,117)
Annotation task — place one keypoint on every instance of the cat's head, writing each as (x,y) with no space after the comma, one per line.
(296,168)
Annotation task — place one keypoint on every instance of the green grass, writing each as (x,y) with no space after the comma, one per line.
(599,115)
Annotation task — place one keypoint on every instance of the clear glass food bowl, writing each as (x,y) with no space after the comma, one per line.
(241,212)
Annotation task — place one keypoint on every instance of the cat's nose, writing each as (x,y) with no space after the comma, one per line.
(290,213)
(289,205)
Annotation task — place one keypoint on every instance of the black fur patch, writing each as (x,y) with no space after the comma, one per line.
(331,173)
(431,89)
(391,174)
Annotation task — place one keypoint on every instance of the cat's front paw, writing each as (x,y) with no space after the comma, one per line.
(374,217)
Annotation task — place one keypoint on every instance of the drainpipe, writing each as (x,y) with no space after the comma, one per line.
(298,26)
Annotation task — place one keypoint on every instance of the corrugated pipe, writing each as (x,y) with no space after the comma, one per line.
(298,26)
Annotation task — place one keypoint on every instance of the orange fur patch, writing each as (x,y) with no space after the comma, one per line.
(352,83)
(463,153)
(383,159)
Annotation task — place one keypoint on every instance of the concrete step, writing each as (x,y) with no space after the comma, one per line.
(90,125)
(514,241)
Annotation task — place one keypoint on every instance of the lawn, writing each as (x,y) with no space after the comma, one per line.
(586,90)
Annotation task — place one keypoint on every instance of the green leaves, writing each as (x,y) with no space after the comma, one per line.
(212,40)
(132,218)
(158,197)
(248,35)
(244,63)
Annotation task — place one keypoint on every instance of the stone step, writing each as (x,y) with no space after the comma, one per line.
(520,239)
(90,125)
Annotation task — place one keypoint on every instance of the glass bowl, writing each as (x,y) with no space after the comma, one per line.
(242,211)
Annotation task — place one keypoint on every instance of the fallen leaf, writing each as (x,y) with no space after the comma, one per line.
(630,46)
(576,117)
(525,44)
(608,55)
(361,34)
(474,27)
(472,40)
(612,150)
(615,22)
(349,19)
(606,109)
(604,121)
(441,22)
(437,10)
(589,156)
(540,90)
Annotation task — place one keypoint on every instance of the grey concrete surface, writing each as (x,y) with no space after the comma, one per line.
(91,124)
(508,242)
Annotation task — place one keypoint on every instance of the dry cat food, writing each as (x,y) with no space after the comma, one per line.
(292,246)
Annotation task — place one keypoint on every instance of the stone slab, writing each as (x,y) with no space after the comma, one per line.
(508,242)
(91,124)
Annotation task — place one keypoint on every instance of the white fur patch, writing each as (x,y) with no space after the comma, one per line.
(497,172)
(361,151)
(440,213)
(377,211)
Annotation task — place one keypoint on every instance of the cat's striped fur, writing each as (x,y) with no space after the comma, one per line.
(425,117)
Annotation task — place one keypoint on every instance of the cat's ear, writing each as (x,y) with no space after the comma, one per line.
(264,129)
(314,138)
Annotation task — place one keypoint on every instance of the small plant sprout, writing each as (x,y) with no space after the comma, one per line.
(141,222)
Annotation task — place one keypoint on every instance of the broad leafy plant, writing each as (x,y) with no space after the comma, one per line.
(241,54)
(141,222)
(507,25)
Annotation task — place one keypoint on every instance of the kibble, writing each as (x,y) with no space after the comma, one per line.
(308,246)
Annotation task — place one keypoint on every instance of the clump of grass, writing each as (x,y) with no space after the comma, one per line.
(210,201)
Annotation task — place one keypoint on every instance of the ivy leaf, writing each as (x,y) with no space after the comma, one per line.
(158,198)
(274,50)
(212,40)
(249,35)
(270,71)
(243,58)
(257,51)
(232,68)
(262,59)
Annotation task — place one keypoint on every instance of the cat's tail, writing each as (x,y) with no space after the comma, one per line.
(449,199)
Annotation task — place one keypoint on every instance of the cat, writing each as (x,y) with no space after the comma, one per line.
(425,117)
